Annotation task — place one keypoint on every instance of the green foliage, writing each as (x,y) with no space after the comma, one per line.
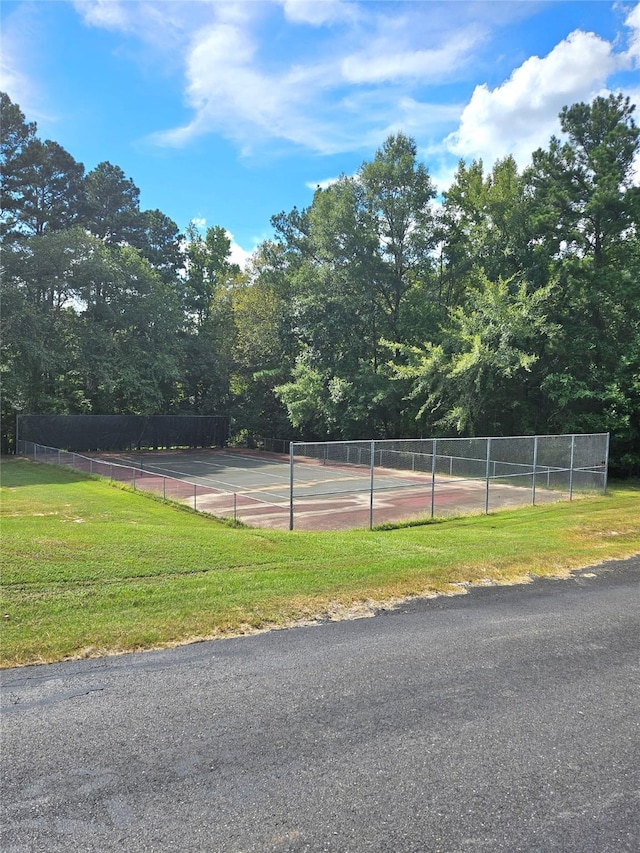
(360,264)
(112,204)
(514,307)
(479,379)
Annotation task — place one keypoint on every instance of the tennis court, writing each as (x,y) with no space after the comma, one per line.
(258,488)
(340,485)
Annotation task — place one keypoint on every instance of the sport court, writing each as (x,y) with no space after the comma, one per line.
(258,488)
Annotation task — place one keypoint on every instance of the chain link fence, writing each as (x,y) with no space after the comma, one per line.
(453,475)
(331,485)
(149,478)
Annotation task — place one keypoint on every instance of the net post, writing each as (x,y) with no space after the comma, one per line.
(290,485)
(373,462)
(535,467)
(486,496)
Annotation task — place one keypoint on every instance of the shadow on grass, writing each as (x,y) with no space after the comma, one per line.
(16,471)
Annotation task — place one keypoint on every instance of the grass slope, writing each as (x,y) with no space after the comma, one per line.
(89,568)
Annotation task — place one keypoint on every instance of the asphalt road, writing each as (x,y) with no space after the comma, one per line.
(507,719)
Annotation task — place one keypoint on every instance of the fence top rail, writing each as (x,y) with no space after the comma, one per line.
(295,444)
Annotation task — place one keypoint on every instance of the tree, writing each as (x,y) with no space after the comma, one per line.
(47,188)
(484,225)
(160,242)
(398,193)
(15,134)
(113,211)
(584,197)
(360,264)
(264,344)
(480,379)
(586,214)
(210,337)
(146,360)
(208,267)
(42,281)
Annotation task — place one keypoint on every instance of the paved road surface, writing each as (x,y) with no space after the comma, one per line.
(504,720)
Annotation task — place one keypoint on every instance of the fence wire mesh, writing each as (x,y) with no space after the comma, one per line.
(447,476)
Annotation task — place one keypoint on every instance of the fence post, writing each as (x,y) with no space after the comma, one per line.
(433,476)
(290,485)
(373,462)
(573,447)
(486,497)
(234,507)
(195,496)
(535,467)
(606,465)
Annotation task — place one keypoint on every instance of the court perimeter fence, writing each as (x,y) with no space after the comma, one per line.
(389,480)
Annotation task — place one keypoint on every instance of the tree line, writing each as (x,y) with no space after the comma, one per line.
(510,305)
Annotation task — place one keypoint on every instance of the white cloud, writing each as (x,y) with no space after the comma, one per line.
(348,92)
(521,114)
(238,255)
(231,94)
(318,12)
(165,28)
(22,32)
(16,84)
(223,86)
(633,22)
(110,14)
(331,97)
(382,62)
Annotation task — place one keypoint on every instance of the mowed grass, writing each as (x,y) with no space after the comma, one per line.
(89,568)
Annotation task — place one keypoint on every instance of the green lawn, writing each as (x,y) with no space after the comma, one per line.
(89,568)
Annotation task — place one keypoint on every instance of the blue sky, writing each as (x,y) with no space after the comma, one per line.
(230,112)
